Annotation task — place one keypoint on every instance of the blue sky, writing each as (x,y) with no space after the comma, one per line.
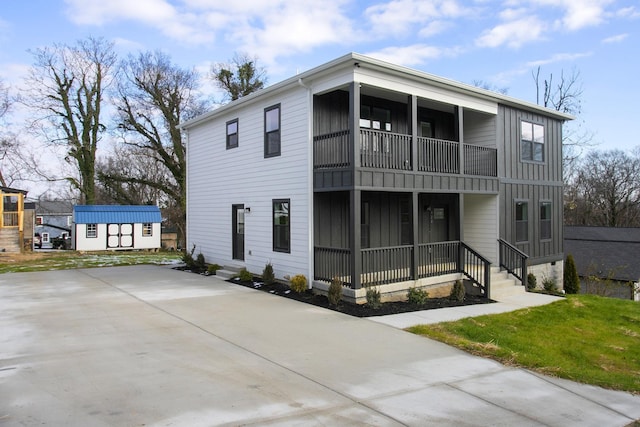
(499,42)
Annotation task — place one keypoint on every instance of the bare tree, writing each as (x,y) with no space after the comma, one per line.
(489,86)
(240,76)
(564,96)
(154,96)
(66,89)
(605,191)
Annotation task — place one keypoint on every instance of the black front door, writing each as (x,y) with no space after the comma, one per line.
(237,222)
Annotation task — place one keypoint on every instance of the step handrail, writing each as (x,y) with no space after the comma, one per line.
(476,267)
(512,259)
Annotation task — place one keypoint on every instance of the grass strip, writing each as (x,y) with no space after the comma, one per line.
(584,338)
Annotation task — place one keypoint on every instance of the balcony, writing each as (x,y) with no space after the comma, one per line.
(393,151)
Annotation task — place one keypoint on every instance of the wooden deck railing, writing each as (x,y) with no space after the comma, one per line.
(395,264)
(10,219)
(387,150)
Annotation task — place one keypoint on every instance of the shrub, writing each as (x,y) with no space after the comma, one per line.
(335,291)
(532,282)
(213,268)
(570,276)
(417,296)
(245,276)
(187,258)
(200,263)
(298,283)
(549,284)
(268,276)
(373,298)
(458,291)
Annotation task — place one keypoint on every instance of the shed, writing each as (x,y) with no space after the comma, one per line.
(116,227)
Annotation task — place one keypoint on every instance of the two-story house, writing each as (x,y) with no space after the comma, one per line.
(380,175)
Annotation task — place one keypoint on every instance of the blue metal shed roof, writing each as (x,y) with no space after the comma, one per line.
(115,214)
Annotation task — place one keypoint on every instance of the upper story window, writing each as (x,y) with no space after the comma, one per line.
(522,221)
(92,230)
(38,220)
(147,229)
(532,141)
(272,131)
(545,220)
(232,134)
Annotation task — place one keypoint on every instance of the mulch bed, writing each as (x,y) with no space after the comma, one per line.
(357,310)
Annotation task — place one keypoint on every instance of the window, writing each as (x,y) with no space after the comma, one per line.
(522,222)
(64,235)
(232,134)
(364,224)
(375,118)
(69,220)
(38,220)
(92,230)
(281,226)
(532,137)
(45,237)
(545,220)
(147,229)
(272,131)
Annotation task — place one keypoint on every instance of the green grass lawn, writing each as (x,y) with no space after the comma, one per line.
(41,261)
(584,338)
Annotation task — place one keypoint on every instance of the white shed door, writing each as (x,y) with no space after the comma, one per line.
(120,235)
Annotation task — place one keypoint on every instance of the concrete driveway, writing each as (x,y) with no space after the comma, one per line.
(150,346)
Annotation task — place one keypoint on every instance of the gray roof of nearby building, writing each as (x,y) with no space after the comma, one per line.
(604,251)
(115,214)
(54,207)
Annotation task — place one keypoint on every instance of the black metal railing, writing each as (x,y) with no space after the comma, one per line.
(435,259)
(482,161)
(332,150)
(476,267)
(513,260)
(386,265)
(395,264)
(332,262)
(385,150)
(438,155)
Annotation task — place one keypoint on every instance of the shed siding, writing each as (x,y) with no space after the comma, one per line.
(219,178)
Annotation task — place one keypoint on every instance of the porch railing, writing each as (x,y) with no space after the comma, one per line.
(476,267)
(436,259)
(10,219)
(395,264)
(438,155)
(385,150)
(331,150)
(332,262)
(482,161)
(386,265)
(513,260)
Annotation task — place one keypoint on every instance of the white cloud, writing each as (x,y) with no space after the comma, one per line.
(628,12)
(615,39)
(577,14)
(513,34)
(412,55)
(558,57)
(433,28)
(398,17)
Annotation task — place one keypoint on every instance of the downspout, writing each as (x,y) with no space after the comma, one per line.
(310,215)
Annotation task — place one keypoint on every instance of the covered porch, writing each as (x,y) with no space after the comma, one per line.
(372,238)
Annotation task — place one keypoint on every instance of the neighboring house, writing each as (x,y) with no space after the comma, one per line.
(16,228)
(114,227)
(53,221)
(607,259)
(379,175)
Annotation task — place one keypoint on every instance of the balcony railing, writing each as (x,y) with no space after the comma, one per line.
(10,219)
(395,264)
(385,150)
(394,151)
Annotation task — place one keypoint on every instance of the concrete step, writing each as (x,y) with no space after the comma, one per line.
(9,240)
(504,285)
(228,271)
